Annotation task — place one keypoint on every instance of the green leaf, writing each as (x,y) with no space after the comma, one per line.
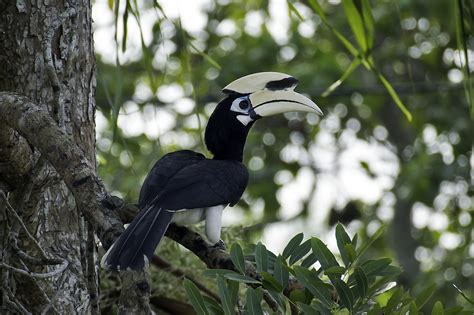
(307,309)
(463,294)
(252,303)
(345,293)
(240,278)
(322,310)
(125,25)
(390,271)
(280,299)
(208,58)
(322,253)
(195,297)
(380,286)
(413,308)
(343,239)
(394,300)
(212,273)
(425,295)
(281,272)
(371,240)
(368,22)
(300,252)
(294,10)
(354,65)
(375,267)
(315,285)
(269,282)
(437,308)
(212,306)
(361,282)
(350,252)
(224,295)
(453,310)
(394,95)
(355,22)
(261,257)
(335,271)
(309,261)
(319,11)
(233,291)
(237,257)
(292,245)
(354,240)
(297,295)
(462,37)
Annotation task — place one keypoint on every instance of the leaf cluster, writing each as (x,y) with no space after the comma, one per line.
(307,278)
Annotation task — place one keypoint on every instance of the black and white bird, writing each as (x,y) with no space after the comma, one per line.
(185,187)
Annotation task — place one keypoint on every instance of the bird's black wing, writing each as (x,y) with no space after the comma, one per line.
(206,183)
(181,180)
(162,171)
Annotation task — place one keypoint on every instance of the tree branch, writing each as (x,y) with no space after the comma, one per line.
(163,264)
(36,125)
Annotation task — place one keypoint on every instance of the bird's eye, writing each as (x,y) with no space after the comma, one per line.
(244,104)
(241,105)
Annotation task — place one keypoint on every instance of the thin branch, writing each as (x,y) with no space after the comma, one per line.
(46,259)
(163,264)
(37,275)
(13,302)
(50,302)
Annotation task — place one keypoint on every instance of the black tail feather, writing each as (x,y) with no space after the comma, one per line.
(139,239)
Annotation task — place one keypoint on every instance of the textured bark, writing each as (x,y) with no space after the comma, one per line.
(46,54)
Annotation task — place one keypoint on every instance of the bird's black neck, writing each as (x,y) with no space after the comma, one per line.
(225,136)
(226,143)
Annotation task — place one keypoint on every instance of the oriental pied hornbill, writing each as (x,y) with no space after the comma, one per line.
(184,187)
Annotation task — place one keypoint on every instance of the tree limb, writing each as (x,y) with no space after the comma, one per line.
(35,124)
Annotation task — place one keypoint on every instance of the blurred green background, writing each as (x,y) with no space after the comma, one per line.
(362,164)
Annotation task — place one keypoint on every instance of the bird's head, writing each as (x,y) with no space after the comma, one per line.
(250,98)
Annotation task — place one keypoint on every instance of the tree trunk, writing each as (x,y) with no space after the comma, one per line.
(46,54)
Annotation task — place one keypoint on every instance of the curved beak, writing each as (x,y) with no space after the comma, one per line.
(271,102)
(272,93)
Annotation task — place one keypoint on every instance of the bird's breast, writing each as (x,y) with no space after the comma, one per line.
(192,216)
(185,216)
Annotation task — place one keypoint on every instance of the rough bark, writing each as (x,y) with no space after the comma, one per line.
(46,54)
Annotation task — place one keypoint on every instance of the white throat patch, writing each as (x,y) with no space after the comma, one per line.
(244,119)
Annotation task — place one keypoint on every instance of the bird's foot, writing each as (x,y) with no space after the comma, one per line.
(220,245)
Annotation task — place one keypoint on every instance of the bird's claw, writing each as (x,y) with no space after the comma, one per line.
(220,245)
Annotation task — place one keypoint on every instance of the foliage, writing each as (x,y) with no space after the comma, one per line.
(351,285)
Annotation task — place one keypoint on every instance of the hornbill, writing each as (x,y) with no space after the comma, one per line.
(185,187)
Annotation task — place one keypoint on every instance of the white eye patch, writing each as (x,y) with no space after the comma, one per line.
(241,105)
